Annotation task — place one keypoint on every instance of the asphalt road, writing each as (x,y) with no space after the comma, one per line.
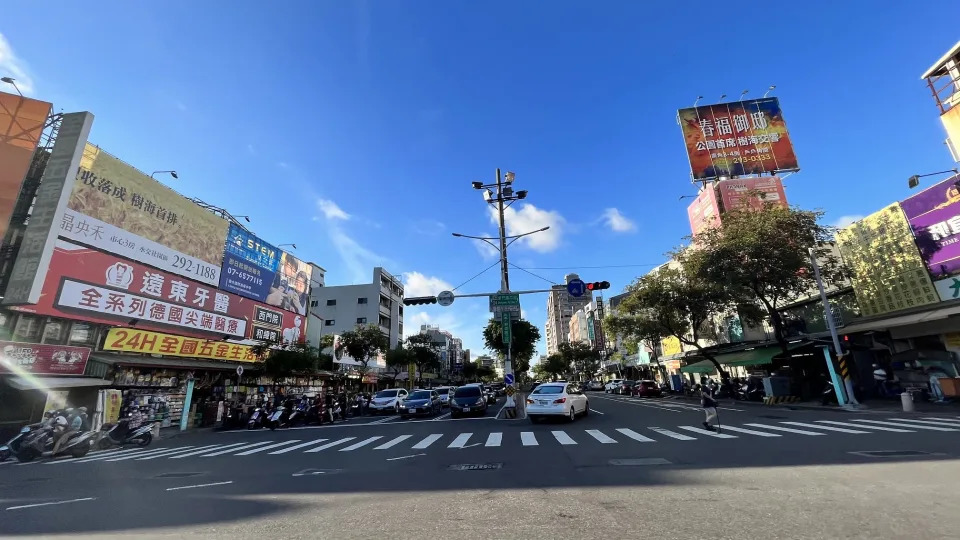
(633,467)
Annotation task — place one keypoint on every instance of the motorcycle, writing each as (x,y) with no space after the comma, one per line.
(121,433)
(42,440)
(256,418)
(277,418)
(299,414)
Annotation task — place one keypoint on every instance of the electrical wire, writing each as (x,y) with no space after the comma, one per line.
(476,276)
(532,274)
(591,267)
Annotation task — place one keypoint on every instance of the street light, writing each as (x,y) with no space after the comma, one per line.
(171,173)
(244,217)
(12,81)
(281,245)
(914,180)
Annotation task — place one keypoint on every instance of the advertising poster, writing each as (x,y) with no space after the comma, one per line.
(113,402)
(934,216)
(34,359)
(888,273)
(143,341)
(116,208)
(737,138)
(91,285)
(249,265)
(746,193)
(21,124)
(704,211)
(670,346)
(291,285)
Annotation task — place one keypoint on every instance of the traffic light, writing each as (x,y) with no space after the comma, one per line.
(418,300)
(598,285)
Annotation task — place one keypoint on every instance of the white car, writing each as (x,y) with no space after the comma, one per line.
(445,393)
(387,401)
(611,385)
(557,399)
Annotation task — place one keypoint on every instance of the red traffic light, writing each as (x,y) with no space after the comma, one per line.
(598,285)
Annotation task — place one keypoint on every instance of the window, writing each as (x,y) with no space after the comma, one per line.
(83,334)
(361,300)
(27,329)
(314,303)
(361,320)
(329,322)
(331,302)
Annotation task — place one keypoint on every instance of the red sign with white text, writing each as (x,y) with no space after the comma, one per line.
(95,286)
(751,193)
(34,359)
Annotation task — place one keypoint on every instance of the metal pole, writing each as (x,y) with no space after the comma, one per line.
(504,274)
(828,313)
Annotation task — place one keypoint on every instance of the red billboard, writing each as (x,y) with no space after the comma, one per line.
(704,212)
(34,359)
(21,123)
(746,193)
(87,284)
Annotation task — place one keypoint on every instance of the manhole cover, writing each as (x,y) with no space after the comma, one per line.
(893,453)
(639,462)
(178,475)
(475,466)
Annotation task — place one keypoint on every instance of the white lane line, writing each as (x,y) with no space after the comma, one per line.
(22,506)
(646,405)
(634,435)
(361,444)
(460,440)
(848,424)
(405,457)
(494,439)
(173,451)
(269,447)
(673,434)
(100,455)
(202,451)
(528,438)
(563,438)
(901,425)
(163,451)
(393,442)
(231,450)
(200,485)
(828,428)
(928,422)
(382,420)
(707,432)
(441,417)
(600,436)
(427,441)
(788,430)
(598,412)
(750,431)
(950,420)
(297,447)
(329,445)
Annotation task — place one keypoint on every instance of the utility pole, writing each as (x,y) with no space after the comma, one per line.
(838,382)
(504,271)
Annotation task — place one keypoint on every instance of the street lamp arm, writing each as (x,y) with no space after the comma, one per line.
(485,239)
(516,237)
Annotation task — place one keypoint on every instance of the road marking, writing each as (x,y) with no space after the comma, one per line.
(393,442)
(163,451)
(443,416)
(634,435)
(646,405)
(926,422)
(427,441)
(848,424)
(673,434)
(381,421)
(600,436)
(788,430)
(902,425)
(751,432)
(562,437)
(598,412)
(460,440)
(173,452)
(329,445)
(203,451)
(201,485)
(494,439)
(100,455)
(828,428)
(22,506)
(361,444)
(405,457)
(528,438)
(244,447)
(297,447)
(707,432)
(946,420)
(264,448)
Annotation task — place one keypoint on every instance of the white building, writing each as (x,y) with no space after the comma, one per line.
(314,317)
(560,308)
(449,346)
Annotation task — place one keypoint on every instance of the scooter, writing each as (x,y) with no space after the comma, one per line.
(829,395)
(277,418)
(120,434)
(299,413)
(256,418)
(41,442)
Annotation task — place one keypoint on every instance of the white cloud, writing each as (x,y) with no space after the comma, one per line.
(845,221)
(283,165)
(530,218)
(618,222)
(429,227)
(487,251)
(417,284)
(11,66)
(359,260)
(180,105)
(331,210)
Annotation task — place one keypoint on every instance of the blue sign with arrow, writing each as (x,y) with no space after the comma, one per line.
(508,378)
(576,287)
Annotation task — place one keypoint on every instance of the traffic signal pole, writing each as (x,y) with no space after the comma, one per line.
(510,404)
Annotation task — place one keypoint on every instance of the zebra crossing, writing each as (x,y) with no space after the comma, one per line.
(526,439)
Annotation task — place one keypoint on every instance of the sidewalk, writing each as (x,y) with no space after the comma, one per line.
(892,406)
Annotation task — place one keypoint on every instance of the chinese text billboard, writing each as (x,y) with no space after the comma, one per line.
(249,265)
(21,124)
(704,211)
(143,341)
(751,193)
(737,138)
(34,359)
(116,208)
(934,216)
(291,285)
(888,273)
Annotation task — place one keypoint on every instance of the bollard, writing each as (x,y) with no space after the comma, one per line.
(907,399)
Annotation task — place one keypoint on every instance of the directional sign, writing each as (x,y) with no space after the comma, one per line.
(576,287)
(506,327)
(239,371)
(500,303)
(508,379)
(445,298)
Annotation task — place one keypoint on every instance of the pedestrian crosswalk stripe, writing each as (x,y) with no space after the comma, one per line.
(361,444)
(427,441)
(827,428)
(788,430)
(157,452)
(928,422)
(599,435)
(634,435)
(329,445)
(173,452)
(947,420)
(393,442)
(297,447)
(527,438)
(268,447)
(673,434)
(563,438)
(100,455)
(902,425)
(707,432)
(750,431)
(460,440)
(494,439)
(108,455)
(237,449)
(203,451)
(879,428)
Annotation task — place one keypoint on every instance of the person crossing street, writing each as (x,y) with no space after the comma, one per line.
(709,404)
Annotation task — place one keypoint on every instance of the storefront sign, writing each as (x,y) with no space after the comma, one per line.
(934,216)
(142,341)
(270,335)
(249,264)
(267,317)
(35,359)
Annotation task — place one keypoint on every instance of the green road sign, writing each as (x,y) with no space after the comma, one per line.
(506,299)
(506,326)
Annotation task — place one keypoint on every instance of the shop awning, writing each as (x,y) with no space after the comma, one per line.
(703,366)
(759,356)
(174,363)
(48,383)
(883,323)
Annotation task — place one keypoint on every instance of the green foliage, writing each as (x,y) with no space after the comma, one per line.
(581,358)
(291,360)
(556,366)
(362,344)
(469,371)
(398,359)
(524,342)
(485,373)
(424,353)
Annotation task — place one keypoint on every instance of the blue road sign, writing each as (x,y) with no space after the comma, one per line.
(508,378)
(576,287)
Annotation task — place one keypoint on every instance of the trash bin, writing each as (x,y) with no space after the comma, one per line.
(906,399)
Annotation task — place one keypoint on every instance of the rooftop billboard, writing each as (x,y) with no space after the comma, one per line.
(21,124)
(934,216)
(739,193)
(704,211)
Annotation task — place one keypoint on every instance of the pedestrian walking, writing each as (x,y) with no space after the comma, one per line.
(709,404)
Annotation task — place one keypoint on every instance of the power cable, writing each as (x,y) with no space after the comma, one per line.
(476,276)
(532,274)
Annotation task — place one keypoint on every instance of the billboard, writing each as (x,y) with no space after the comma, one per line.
(249,264)
(737,138)
(290,289)
(21,124)
(888,272)
(84,283)
(704,211)
(146,342)
(934,216)
(34,359)
(116,208)
(745,193)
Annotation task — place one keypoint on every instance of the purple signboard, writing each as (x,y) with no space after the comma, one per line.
(934,216)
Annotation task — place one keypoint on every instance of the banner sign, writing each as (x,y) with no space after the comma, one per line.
(116,208)
(249,265)
(34,359)
(21,124)
(751,193)
(291,285)
(142,341)
(737,138)
(934,216)
(704,211)
(91,285)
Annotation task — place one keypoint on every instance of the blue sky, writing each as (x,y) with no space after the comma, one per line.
(354,129)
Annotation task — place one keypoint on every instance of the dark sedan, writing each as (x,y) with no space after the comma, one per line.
(421,403)
(647,389)
(468,400)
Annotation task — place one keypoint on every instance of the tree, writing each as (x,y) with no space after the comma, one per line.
(398,359)
(523,344)
(469,371)
(581,358)
(556,366)
(325,352)
(540,371)
(362,344)
(289,360)
(424,353)
(485,373)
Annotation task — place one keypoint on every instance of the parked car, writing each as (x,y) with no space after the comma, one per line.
(387,401)
(557,399)
(421,403)
(444,392)
(625,388)
(608,388)
(647,388)
(593,385)
(468,400)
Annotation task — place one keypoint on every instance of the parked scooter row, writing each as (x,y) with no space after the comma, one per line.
(291,413)
(62,432)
